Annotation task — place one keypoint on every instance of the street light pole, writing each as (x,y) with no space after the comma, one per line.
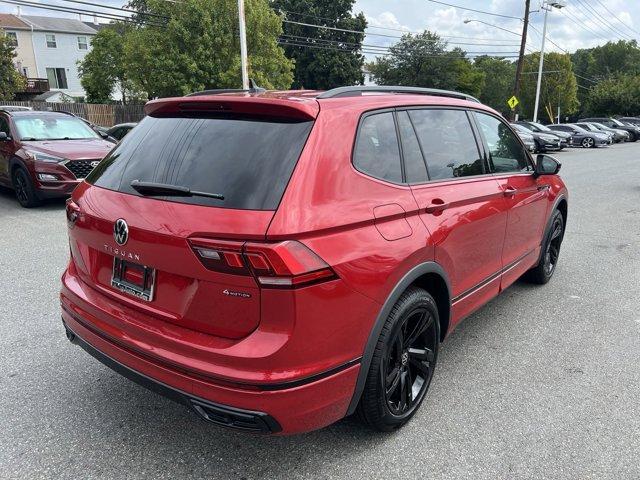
(547,5)
(243,46)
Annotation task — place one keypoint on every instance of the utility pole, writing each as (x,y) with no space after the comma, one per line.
(546,6)
(243,46)
(523,45)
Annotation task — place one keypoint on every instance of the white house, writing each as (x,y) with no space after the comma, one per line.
(58,44)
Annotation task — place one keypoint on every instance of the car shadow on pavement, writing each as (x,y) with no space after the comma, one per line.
(9,202)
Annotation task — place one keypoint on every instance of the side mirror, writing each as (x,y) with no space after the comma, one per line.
(4,137)
(547,165)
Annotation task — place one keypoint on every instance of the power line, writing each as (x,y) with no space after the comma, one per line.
(122,9)
(582,25)
(483,12)
(598,18)
(618,18)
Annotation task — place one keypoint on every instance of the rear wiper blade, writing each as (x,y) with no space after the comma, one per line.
(164,189)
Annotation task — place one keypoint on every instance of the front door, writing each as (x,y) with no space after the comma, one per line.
(525,194)
(5,153)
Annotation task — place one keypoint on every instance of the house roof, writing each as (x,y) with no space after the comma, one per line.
(12,22)
(62,25)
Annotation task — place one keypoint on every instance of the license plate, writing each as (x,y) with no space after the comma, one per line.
(133,279)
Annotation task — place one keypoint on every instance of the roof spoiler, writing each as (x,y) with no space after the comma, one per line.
(253,89)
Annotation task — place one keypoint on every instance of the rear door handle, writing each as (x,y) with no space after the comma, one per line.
(436,206)
(510,191)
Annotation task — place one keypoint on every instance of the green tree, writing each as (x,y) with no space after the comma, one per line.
(10,79)
(559,86)
(422,60)
(199,48)
(324,58)
(618,95)
(103,69)
(499,89)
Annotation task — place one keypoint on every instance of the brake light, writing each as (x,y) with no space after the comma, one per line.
(287,264)
(72,211)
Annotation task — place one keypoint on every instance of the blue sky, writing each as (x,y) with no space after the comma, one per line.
(583,23)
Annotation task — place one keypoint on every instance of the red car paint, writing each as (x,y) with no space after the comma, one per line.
(16,153)
(295,354)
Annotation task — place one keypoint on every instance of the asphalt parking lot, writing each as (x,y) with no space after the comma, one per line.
(544,382)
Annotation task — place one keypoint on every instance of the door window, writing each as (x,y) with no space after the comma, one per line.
(448,143)
(4,126)
(57,77)
(506,153)
(377,151)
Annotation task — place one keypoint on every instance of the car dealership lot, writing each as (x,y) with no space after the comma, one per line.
(541,383)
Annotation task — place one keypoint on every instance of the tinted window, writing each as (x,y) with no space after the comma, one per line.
(4,126)
(414,166)
(506,153)
(377,152)
(246,160)
(448,143)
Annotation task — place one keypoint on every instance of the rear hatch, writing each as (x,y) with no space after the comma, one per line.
(172,254)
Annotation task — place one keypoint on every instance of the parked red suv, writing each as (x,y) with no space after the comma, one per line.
(278,260)
(46,154)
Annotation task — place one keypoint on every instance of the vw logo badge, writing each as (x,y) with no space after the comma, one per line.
(120,231)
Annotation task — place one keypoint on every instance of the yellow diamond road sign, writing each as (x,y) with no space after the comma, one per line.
(513,102)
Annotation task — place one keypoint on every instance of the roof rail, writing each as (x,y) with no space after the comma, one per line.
(253,88)
(358,90)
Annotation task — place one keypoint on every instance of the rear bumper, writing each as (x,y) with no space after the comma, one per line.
(290,407)
(223,415)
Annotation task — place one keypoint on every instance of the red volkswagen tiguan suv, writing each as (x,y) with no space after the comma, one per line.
(278,260)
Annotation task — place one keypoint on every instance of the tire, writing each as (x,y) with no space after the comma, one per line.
(543,272)
(588,142)
(24,190)
(403,362)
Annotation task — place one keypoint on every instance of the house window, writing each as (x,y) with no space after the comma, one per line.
(57,78)
(13,38)
(82,43)
(51,40)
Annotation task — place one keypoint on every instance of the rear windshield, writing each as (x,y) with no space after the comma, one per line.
(248,161)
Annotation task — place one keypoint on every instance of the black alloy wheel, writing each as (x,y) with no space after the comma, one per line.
(403,362)
(408,364)
(543,272)
(552,252)
(23,188)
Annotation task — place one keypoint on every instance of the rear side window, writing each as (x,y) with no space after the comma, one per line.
(415,168)
(377,152)
(448,143)
(247,160)
(506,153)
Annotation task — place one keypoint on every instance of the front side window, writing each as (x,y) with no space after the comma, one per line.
(4,126)
(377,152)
(506,153)
(13,38)
(52,127)
(51,40)
(82,43)
(447,142)
(57,77)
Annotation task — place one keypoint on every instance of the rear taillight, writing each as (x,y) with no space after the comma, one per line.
(287,264)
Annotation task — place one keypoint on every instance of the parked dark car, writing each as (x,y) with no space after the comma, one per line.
(619,135)
(46,154)
(633,130)
(215,259)
(526,136)
(630,120)
(119,131)
(614,136)
(582,137)
(539,128)
(545,141)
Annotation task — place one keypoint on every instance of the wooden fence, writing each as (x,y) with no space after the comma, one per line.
(104,115)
